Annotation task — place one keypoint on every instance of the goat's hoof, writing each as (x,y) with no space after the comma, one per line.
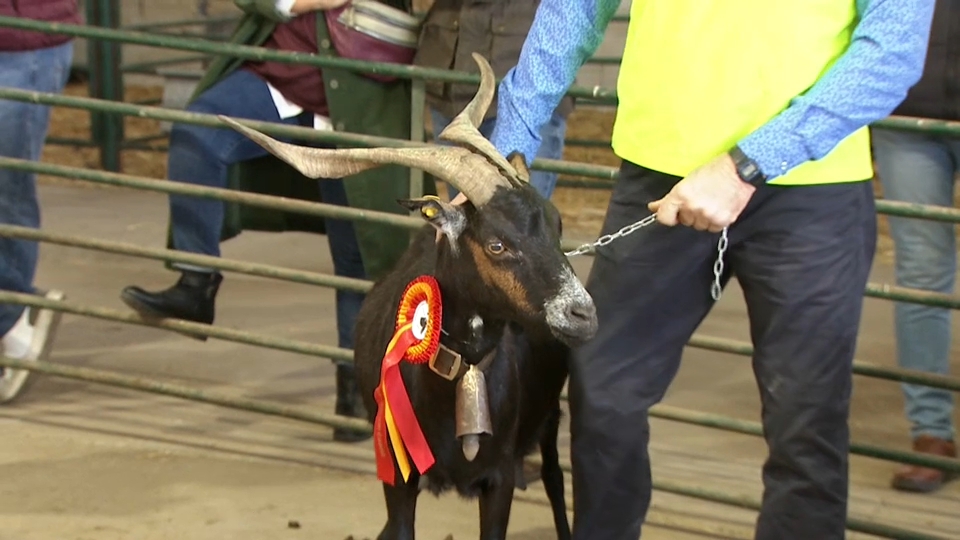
(351,537)
(449,537)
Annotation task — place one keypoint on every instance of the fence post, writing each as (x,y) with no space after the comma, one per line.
(106,82)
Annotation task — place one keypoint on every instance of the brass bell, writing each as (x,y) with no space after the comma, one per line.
(473,411)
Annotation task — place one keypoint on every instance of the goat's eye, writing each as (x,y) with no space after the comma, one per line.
(496,247)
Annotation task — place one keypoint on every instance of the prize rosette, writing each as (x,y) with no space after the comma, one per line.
(416,340)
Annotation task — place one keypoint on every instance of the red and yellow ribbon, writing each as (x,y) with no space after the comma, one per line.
(416,340)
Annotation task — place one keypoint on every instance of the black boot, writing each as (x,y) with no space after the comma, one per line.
(349,403)
(192,298)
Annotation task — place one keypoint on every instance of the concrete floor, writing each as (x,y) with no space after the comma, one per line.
(82,461)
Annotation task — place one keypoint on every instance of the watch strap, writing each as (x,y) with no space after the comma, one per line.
(747,169)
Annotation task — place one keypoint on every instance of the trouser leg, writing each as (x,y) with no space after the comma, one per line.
(201,156)
(802,258)
(23,130)
(919,168)
(347,261)
(651,289)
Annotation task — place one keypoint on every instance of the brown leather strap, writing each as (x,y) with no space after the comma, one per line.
(450,365)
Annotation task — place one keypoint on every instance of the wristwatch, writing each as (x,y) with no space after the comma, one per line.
(747,169)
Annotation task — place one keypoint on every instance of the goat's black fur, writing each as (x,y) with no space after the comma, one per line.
(524,380)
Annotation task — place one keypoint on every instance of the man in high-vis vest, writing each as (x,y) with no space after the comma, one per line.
(741,114)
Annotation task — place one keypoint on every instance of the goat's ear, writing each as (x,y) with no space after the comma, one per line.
(520,164)
(447,218)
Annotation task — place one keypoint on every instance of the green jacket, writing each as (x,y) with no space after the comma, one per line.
(357,104)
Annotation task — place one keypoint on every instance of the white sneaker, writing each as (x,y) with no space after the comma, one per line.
(37,328)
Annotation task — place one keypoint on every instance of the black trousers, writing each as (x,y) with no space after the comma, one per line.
(802,256)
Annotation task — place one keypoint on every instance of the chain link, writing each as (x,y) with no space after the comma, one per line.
(607,238)
(716,289)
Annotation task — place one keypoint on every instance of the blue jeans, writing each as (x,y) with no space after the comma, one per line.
(201,156)
(23,130)
(552,135)
(920,168)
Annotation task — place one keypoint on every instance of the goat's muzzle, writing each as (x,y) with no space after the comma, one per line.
(571,314)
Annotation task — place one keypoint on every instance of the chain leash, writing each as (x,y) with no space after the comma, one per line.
(716,289)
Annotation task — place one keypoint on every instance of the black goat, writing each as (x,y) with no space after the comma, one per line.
(511,306)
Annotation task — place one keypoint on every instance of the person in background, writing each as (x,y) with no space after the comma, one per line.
(921,168)
(292,94)
(40,63)
(452,31)
(741,125)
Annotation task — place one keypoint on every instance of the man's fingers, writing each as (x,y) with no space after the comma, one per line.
(654,206)
(702,223)
(459,199)
(687,217)
(666,210)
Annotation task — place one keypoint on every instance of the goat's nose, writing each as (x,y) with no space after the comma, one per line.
(582,313)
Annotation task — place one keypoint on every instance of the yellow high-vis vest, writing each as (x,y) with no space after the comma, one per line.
(699,75)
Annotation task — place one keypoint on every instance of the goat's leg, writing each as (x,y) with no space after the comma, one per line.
(495,502)
(401,502)
(552,475)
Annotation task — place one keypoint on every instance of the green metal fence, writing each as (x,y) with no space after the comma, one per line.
(597,176)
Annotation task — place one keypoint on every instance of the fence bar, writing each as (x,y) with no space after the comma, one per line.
(170,255)
(750,503)
(604,60)
(247,52)
(893,208)
(860,367)
(747,427)
(328,210)
(201,119)
(183,327)
(151,386)
(693,417)
(359,425)
(203,21)
(742,501)
(381,68)
(151,65)
(243,197)
(360,285)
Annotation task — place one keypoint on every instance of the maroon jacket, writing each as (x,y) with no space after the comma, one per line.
(63,11)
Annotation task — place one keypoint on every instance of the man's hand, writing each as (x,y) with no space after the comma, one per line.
(300,7)
(459,199)
(708,199)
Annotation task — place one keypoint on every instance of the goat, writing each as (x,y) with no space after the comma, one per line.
(511,308)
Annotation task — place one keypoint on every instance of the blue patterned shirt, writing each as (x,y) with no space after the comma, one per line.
(884,59)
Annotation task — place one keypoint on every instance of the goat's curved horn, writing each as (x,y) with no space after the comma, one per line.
(470,173)
(463,129)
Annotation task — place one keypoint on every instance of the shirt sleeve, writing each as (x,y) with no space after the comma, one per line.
(564,34)
(884,59)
